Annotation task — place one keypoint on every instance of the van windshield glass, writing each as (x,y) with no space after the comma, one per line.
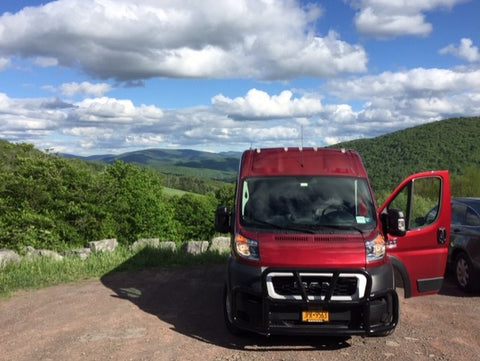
(307,203)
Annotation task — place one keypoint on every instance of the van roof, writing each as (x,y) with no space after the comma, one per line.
(301,161)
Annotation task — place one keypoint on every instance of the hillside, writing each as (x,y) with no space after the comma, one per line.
(451,144)
(179,162)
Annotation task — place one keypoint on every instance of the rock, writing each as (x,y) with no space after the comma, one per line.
(105,245)
(153,243)
(391,343)
(168,245)
(29,250)
(220,245)
(34,253)
(51,254)
(82,253)
(8,256)
(195,247)
(145,242)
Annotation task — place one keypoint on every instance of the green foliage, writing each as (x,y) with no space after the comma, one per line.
(448,144)
(226,195)
(136,204)
(170,192)
(194,216)
(193,183)
(45,200)
(52,202)
(466,184)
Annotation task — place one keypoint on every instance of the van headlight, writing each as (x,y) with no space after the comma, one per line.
(375,249)
(247,248)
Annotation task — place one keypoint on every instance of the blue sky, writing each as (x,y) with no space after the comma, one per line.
(111,76)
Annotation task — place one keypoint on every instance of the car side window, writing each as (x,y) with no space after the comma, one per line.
(458,213)
(472,218)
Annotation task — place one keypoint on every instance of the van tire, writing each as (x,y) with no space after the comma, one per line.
(227,314)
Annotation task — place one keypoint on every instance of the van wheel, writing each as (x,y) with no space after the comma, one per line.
(385,333)
(464,272)
(227,314)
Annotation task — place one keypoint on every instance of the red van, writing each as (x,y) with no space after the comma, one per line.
(310,252)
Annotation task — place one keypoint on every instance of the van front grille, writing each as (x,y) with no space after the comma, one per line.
(316,286)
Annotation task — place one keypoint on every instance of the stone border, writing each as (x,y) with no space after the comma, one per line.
(217,244)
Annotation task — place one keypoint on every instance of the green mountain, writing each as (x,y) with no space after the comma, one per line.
(180,162)
(451,144)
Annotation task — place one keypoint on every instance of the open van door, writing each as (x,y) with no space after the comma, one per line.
(419,250)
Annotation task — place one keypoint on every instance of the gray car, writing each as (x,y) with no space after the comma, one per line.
(464,250)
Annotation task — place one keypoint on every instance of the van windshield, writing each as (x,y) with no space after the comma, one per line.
(314,204)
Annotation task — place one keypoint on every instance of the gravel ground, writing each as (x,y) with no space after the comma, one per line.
(177,315)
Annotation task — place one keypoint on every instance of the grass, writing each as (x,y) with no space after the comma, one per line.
(43,271)
(174,192)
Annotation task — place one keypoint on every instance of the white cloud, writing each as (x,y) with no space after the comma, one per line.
(26,118)
(465,50)
(383,103)
(413,83)
(144,140)
(387,18)
(394,101)
(114,111)
(84,88)
(45,61)
(4,63)
(258,104)
(231,38)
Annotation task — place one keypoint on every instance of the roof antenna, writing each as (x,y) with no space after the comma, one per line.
(302,163)
(301,137)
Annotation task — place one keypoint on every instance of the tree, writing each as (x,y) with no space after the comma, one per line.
(225,195)
(136,204)
(194,216)
(466,184)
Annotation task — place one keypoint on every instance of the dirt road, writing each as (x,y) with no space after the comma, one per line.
(177,315)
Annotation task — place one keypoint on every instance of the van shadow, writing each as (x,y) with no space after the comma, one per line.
(190,300)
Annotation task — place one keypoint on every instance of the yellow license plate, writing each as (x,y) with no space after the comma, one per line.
(315,316)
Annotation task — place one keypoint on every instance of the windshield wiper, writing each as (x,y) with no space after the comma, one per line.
(342,227)
(282,227)
(305,228)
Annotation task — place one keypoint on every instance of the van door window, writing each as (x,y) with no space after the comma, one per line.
(419,201)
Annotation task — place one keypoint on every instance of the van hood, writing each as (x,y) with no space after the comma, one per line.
(318,250)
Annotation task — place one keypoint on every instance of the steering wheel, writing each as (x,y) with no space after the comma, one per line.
(337,212)
(334,208)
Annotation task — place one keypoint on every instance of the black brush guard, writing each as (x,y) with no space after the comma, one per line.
(372,314)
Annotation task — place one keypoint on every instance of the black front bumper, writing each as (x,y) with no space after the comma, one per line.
(255,307)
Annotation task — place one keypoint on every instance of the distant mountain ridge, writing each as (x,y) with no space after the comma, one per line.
(219,166)
(452,144)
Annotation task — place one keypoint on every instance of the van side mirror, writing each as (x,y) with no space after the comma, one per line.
(394,222)
(222,220)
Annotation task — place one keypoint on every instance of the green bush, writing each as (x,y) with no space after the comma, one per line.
(52,202)
(194,216)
